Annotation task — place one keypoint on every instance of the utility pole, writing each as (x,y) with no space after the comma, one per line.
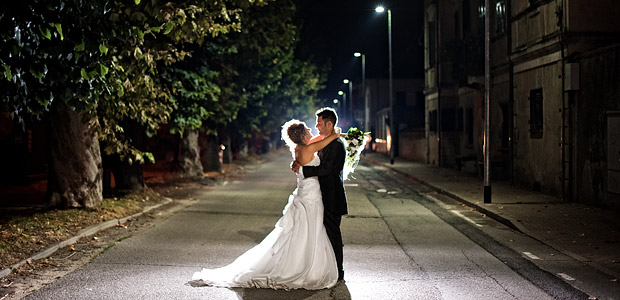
(487,103)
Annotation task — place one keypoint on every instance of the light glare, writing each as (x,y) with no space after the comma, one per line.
(380,9)
(357,54)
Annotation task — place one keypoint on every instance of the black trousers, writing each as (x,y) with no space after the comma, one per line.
(332,226)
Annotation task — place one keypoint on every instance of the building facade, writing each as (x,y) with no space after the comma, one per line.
(554,93)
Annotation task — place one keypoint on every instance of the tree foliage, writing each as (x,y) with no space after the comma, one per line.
(100,57)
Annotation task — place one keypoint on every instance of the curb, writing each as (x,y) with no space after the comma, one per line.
(82,233)
(504,220)
(494,215)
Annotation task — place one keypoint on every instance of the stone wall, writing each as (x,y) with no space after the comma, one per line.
(599,93)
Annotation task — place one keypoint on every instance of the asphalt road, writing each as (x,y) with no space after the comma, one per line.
(401,242)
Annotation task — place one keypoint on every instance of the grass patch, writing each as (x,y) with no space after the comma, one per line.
(25,234)
(107,248)
(123,238)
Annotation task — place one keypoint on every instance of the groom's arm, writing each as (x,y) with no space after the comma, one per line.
(331,162)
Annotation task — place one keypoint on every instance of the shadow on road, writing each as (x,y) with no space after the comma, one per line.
(340,292)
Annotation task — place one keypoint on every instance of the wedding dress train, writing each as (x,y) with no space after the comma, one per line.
(296,254)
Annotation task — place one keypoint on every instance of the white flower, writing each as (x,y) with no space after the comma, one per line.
(355,142)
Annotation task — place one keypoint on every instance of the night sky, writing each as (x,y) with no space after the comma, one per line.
(333,30)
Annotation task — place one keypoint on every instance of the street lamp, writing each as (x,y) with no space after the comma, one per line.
(350,108)
(381,9)
(344,102)
(366,102)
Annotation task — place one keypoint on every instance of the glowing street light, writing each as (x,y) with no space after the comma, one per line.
(380,9)
(335,101)
(340,93)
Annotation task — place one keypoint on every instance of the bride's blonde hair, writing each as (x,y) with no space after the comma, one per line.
(293,133)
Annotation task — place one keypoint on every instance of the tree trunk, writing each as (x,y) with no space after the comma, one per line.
(225,140)
(189,158)
(75,171)
(129,176)
(252,149)
(243,149)
(211,158)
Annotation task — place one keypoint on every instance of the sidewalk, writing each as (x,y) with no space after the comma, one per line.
(588,234)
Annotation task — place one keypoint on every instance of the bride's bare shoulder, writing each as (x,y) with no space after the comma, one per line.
(303,154)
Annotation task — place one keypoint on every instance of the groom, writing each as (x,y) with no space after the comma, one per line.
(329,173)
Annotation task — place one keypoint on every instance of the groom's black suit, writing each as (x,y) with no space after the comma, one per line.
(329,173)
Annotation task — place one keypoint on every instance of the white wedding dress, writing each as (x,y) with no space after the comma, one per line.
(296,254)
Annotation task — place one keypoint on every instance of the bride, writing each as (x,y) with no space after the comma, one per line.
(297,253)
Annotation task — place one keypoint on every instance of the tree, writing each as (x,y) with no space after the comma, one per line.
(226,73)
(90,65)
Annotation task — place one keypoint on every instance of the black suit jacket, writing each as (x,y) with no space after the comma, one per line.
(329,173)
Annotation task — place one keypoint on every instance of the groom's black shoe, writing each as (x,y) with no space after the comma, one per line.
(341,275)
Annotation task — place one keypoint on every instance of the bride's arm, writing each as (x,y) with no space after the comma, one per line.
(318,145)
(315,139)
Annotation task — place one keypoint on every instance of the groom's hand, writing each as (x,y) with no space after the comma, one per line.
(295,166)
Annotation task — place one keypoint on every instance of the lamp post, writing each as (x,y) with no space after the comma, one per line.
(350,109)
(344,102)
(487,103)
(381,9)
(366,102)
(336,102)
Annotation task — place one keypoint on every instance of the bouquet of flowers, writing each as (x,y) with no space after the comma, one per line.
(355,143)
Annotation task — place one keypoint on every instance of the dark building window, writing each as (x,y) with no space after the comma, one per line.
(500,15)
(536,113)
(432,120)
(466,18)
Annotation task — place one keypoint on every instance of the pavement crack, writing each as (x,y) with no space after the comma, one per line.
(488,275)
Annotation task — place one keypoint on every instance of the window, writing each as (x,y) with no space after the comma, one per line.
(500,16)
(466,18)
(536,114)
(481,15)
(432,120)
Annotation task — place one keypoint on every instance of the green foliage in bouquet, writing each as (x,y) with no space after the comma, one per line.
(356,142)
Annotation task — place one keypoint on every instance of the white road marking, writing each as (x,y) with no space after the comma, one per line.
(566,276)
(447,207)
(530,255)
(351,184)
(465,218)
(437,201)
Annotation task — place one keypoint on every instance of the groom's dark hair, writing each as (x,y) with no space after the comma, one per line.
(328,114)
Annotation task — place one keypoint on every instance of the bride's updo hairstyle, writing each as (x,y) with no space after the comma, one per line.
(293,133)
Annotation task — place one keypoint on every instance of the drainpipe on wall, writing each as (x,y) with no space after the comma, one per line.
(438,84)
